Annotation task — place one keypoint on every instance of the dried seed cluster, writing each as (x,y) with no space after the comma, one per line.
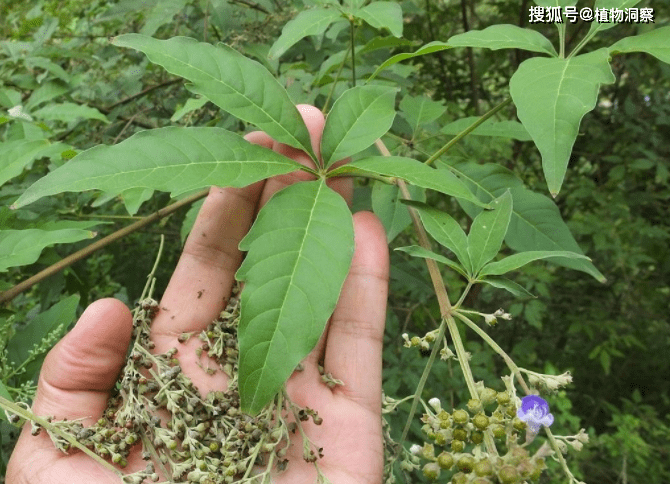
(185,437)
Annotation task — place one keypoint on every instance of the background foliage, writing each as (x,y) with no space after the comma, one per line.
(79,90)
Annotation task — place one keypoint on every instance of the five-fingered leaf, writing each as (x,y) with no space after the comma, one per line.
(552,96)
(314,21)
(235,83)
(299,253)
(175,160)
(488,231)
(504,36)
(445,230)
(411,170)
(359,117)
(515,261)
(655,42)
(536,222)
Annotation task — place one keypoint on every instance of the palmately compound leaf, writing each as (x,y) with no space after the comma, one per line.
(314,21)
(237,84)
(411,170)
(23,247)
(655,42)
(552,96)
(536,222)
(504,36)
(488,231)
(358,118)
(299,253)
(175,160)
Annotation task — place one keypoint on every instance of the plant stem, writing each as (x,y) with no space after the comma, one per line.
(561,40)
(10,294)
(467,131)
(510,363)
(28,415)
(445,310)
(337,77)
(353,54)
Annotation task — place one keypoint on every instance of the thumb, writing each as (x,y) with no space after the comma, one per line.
(81,369)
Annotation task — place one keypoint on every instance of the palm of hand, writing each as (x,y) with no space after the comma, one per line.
(81,370)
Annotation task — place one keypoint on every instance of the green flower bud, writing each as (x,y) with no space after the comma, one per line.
(460,416)
(477,437)
(445,460)
(213,446)
(474,405)
(503,398)
(508,475)
(459,478)
(416,341)
(484,468)
(481,421)
(431,471)
(460,434)
(457,445)
(466,464)
(440,439)
(488,396)
(498,431)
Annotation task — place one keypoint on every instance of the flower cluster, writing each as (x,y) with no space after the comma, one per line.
(456,441)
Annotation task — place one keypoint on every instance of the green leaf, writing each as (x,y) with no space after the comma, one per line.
(488,231)
(190,105)
(359,117)
(172,159)
(552,96)
(445,230)
(412,171)
(429,48)
(418,251)
(46,92)
(314,21)
(133,198)
(536,222)
(655,42)
(420,110)
(504,37)
(300,250)
(608,4)
(502,129)
(386,205)
(236,84)
(510,286)
(161,14)
(23,247)
(515,261)
(16,155)
(383,15)
(67,112)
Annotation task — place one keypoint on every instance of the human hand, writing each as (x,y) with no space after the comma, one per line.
(80,371)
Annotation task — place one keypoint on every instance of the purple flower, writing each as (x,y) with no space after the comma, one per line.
(535,412)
